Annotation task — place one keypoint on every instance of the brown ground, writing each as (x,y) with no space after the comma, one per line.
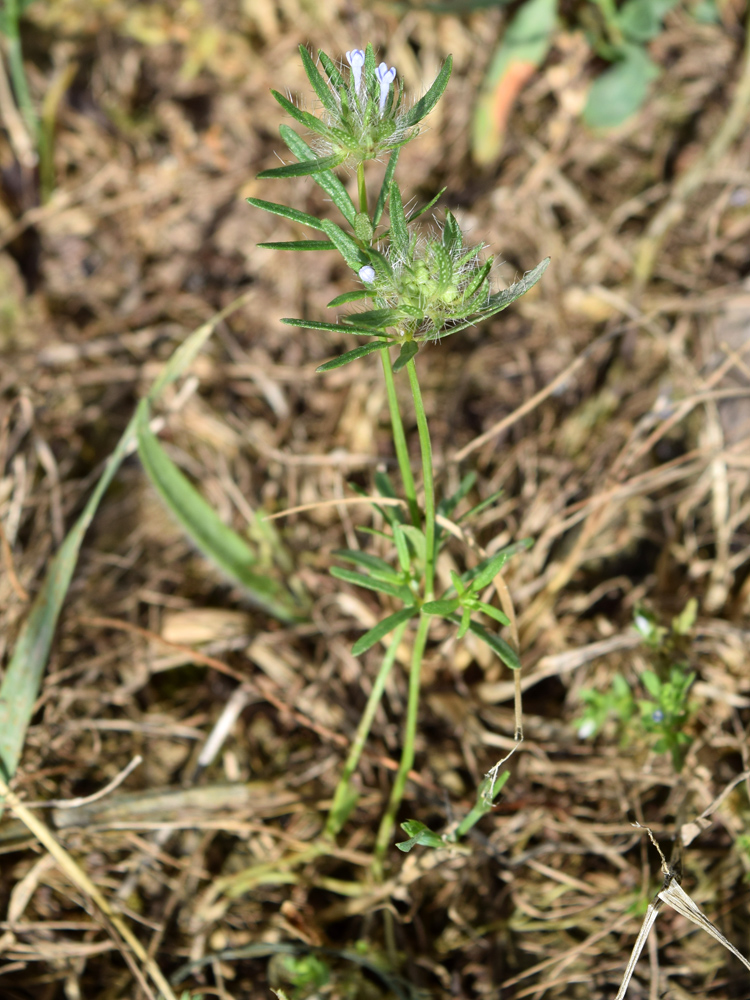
(633,477)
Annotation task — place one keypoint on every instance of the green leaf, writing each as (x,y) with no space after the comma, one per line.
(344,359)
(428,206)
(493,612)
(218,542)
(402,549)
(408,351)
(303,117)
(332,71)
(360,580)
(342,300)
(448,504)
(442,607)
(303,168)
(383,628)
(452,235)
(285,212)
(463,628)
(482,505)
(425,104)
(385,186)
(620,90)
(486,572)
(651,683)
(416,539)
(349,249)
(376,566)
(319,85)
(312,324)
(501,300)
(399,232)
(298,245)
(641,20)
(499,646)
(482,806)
(418,834)
(328,181)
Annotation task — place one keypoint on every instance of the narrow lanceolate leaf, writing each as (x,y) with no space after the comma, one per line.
(303,168)
(385,188)
(408,351)
(347,297)
(349,249)
(285,212)
(374,565)
(399,232)
(360,580)
(303,117)
(428,206)
(425,104)
(493,612)
(327,181)
(199,520)
(499,646)
(298,245)
(484,574)
(441,607)
(319,85)
(344,359)
(332,71)
(496,303)
(382,629)
(311,324)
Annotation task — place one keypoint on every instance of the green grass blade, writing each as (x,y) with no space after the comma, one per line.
(218,542)
(20,686)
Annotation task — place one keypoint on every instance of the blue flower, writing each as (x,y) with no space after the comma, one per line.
(367,274)
(356,59)
(385,77)
(657,715)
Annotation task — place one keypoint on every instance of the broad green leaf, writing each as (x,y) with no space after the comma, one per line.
(298,245)
(523,48)
(20,685)
(313,324)
(369,583)
(620,90)
(382,629)
(420,834)
(319,85)
(641,20)
(285,212)
(385,186)
(651,683)
(218,542)
(303,167)
(499,646)
(344,359)
(408,351)
(328,181)
(425,104)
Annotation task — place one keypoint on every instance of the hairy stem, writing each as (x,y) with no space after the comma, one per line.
(407,754)
(399,440)
(340,808)
(429,484)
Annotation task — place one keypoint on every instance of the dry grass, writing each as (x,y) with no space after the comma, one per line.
(632,475)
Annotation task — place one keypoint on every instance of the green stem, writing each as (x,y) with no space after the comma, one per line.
(399,440)
(407,754)
(342,799)
(362,188)
(429,484)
